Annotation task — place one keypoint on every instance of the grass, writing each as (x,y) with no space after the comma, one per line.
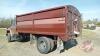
(2,31)
(88,33)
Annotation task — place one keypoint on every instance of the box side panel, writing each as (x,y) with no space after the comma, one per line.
(43,15)
(50,26)
(25,26)
(48,22)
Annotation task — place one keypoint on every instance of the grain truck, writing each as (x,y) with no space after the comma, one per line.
(47,27)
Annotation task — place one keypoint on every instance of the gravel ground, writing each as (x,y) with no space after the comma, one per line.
(27,49)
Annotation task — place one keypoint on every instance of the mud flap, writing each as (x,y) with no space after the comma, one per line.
(70,43)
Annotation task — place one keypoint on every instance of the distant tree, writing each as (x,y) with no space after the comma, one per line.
(98,24)
(89,21)
(5,22)
(95,21)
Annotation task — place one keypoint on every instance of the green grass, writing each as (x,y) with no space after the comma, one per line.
(2,31)
(88,33)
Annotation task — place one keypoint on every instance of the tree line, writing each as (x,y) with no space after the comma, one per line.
(6,22)
(94,21)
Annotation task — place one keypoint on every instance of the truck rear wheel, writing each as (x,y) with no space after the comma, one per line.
(19,38)
(44,45)
(51,44)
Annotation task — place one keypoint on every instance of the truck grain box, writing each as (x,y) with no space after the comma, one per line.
(47,27)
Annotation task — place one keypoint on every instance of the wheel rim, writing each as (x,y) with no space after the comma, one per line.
(42,45)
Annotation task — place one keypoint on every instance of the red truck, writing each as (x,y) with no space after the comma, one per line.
(47,27)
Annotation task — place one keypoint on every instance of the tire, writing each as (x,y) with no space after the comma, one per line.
(51,44)
(9,37)
(43,45)
(19,38)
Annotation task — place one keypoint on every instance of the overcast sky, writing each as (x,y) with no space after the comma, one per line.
(9,8)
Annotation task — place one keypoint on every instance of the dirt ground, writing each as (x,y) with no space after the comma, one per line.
(27,49)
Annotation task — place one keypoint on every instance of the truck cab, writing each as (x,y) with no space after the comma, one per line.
(11,31)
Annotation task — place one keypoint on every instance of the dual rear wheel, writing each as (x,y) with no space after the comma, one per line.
(45,45)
